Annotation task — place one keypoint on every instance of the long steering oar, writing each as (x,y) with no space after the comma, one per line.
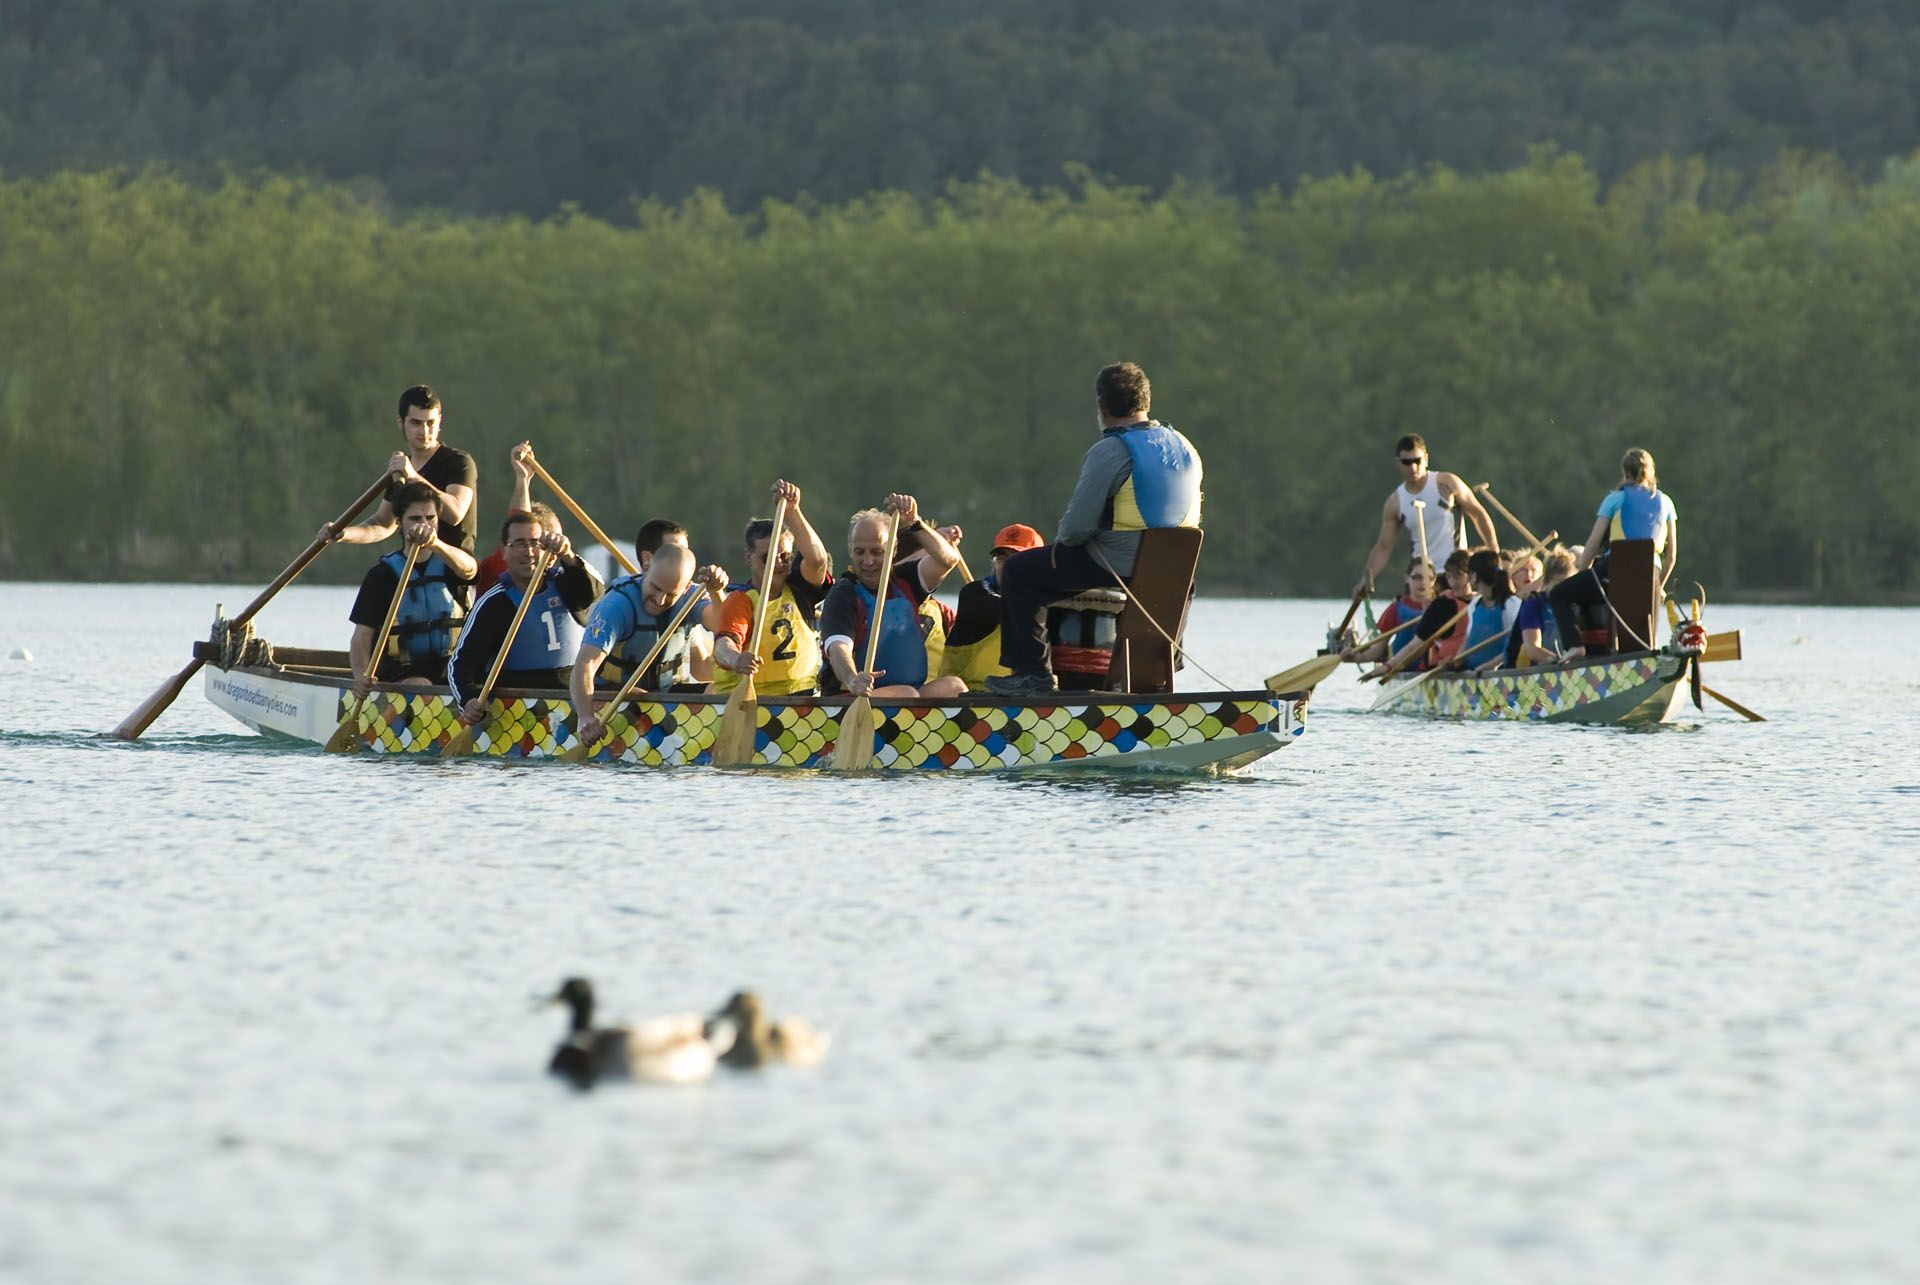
(461,742)
(155,705)
(583,750)
(1388,698)
(573,507)
(853,746)
(1486,490)
(346,737)
(733,743)
(1728,641)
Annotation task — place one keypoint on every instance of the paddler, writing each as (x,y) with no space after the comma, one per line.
(788,661)
(627,622)
(1138,476)
(1398,621)
(972,653)
(450,472)
(1437,500)
(542,651)
(429,614)
(912,628)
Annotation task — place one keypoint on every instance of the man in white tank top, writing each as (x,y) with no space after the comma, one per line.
(1445,498)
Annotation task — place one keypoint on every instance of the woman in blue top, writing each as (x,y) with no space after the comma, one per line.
(1636,510)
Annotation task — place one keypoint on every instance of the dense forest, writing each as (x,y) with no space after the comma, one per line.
(191,377)
(525,106)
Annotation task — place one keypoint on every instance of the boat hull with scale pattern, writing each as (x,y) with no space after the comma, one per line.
(1208,732)
(1626,690)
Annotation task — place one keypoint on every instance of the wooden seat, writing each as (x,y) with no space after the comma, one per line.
(1162,586)
(1631,589)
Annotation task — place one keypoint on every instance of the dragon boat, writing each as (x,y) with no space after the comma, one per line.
(1629,690)
(301,696)
(1124,715)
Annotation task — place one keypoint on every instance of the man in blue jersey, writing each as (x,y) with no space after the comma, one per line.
(1139,475)
(627,622)
(542,650)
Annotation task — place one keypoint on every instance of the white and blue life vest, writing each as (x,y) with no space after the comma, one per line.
(1641,515)
(1483,622)
(429,615)
(549,637)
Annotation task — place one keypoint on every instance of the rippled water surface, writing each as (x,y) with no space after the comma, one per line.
(1410,1001)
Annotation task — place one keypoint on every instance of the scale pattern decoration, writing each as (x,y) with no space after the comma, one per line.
(958,738)
(1531,694)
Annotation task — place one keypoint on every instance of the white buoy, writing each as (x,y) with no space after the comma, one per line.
(21,653)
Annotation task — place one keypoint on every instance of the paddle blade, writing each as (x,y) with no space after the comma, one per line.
(460,744)
(1304,676)
(1723,646)
(579,751)
(346,737)
(733,743)
(1393,694)
(155,705)
(853,747)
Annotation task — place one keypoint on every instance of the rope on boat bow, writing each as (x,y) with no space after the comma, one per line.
(238,645)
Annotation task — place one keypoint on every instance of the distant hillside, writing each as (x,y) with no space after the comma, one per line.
(496,106)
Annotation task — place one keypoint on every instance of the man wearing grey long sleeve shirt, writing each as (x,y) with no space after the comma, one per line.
(1139,475)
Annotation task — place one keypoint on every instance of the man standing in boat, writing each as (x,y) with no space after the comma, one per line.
(1444,498)
(1140,475)
(429,614)
(450,472)
(542,650)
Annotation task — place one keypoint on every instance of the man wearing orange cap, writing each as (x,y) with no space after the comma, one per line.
(973,640)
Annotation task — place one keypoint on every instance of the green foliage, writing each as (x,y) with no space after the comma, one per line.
(521,106)
(191,379)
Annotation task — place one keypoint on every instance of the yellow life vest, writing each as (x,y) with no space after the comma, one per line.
(789,650)
(934,629)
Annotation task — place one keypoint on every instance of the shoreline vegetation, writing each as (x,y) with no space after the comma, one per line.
(192,376)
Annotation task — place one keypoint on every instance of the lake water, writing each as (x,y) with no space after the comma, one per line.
(1410,1001)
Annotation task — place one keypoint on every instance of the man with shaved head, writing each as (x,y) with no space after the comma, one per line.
(629,619)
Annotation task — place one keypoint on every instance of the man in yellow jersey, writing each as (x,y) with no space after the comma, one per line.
(1140,475)
(788,661)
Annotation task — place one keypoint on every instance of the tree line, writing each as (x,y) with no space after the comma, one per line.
(191,379)
(523,106)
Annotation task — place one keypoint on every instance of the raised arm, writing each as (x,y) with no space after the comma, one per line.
(809,551)
(520,460)
(940,555)
(1382,547)
(1476,512)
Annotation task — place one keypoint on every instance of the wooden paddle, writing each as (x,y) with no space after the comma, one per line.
(1486,490)
(1416,650)
(582,750)
(346,737)
(593,528)
(1718,648)
(155,705)
(733,743)
(461,742)
(1733,705)
(853,744)
(1308,674)
(1388,698)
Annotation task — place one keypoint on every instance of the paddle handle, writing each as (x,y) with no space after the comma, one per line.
(1486,492)
(766,581)
(880,596)
(1353,609)
(169,691)
(393,610)
(573,507)
(1420,648)
(640,670)
(513,630)
(1420,529)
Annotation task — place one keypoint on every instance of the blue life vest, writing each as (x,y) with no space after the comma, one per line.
(1403,634)
(1640,514)
(424,626)
(549,637)
(1164,490)
(631,650)
(1483,622)
(903,649)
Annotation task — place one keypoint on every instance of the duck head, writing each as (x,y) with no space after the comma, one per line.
(577,994)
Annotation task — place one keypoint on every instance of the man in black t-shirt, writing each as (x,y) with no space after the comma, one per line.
(450,472)
(428,619)
(847,614)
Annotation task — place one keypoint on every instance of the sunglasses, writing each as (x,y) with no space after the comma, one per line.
(1415,460)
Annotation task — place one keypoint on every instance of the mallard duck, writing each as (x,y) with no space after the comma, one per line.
(680,1049)
(755,1040)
